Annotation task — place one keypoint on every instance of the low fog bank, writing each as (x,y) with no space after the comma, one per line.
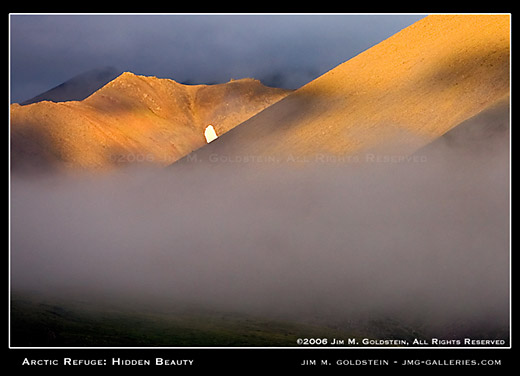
(424,240)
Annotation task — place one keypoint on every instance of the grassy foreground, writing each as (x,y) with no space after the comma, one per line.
(40,321)
(50,322)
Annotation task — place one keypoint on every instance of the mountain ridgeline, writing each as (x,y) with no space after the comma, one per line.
(131,119)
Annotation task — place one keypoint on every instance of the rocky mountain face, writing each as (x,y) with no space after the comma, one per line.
(132,119)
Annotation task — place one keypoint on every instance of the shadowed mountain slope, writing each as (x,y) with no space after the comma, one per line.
(486,133)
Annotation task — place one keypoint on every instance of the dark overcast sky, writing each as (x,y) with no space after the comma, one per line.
(280,50)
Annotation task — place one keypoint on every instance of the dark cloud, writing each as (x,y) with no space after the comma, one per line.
(283,50)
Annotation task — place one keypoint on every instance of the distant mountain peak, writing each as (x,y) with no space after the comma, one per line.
(78,87)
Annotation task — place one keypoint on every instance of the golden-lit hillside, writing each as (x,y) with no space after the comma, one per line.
(131,119)
(394,97)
